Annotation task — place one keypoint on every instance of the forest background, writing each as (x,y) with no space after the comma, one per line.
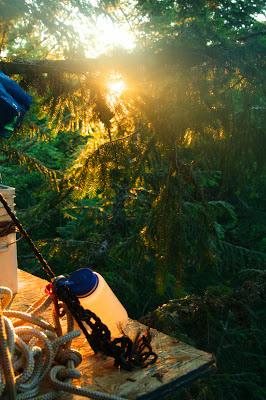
(149,164)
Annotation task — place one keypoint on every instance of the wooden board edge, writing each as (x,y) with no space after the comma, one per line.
(181,382)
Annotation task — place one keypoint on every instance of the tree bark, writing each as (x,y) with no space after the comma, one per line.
(135,63)
(43,66)
(69,66)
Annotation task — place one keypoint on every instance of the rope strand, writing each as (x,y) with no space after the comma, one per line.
(5,360)
(28,354)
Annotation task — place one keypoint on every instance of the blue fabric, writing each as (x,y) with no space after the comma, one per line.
(14,103)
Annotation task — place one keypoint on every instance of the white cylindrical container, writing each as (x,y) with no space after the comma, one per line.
(3,214)
(96,295)
(8,245)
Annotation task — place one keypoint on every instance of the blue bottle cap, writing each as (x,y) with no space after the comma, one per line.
(83,282)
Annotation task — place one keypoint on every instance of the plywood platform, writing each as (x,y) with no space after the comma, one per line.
(178,364)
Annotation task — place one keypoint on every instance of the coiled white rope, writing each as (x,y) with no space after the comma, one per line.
(31,349)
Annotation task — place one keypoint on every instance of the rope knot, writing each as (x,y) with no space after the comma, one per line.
(64,373)
(66,355)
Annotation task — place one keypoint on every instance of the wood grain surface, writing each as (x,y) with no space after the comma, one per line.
(178,364)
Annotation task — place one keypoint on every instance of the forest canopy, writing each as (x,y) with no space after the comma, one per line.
(143,156)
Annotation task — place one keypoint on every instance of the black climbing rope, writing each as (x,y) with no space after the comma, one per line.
(44,264)
(128,354)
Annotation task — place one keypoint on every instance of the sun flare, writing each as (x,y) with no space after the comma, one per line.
(116,87)
(102,34)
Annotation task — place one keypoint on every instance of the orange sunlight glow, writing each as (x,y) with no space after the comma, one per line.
(116,87)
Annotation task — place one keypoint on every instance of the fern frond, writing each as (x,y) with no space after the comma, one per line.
(237,257)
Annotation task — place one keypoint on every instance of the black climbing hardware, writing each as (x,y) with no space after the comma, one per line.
(128,354)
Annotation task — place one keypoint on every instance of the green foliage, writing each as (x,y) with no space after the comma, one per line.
(230,324)
(162,189)
(35,29)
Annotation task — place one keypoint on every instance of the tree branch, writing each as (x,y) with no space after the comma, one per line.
(71,66)
(251,35)
(120,60)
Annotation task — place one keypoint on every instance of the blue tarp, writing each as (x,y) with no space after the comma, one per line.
(14,103)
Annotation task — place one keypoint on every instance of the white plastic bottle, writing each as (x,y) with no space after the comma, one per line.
(96,295)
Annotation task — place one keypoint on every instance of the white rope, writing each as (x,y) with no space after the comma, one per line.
(31,349)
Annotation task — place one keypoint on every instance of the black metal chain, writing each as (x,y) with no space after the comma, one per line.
(128,354)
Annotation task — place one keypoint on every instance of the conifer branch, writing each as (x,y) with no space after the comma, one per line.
(121,60)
